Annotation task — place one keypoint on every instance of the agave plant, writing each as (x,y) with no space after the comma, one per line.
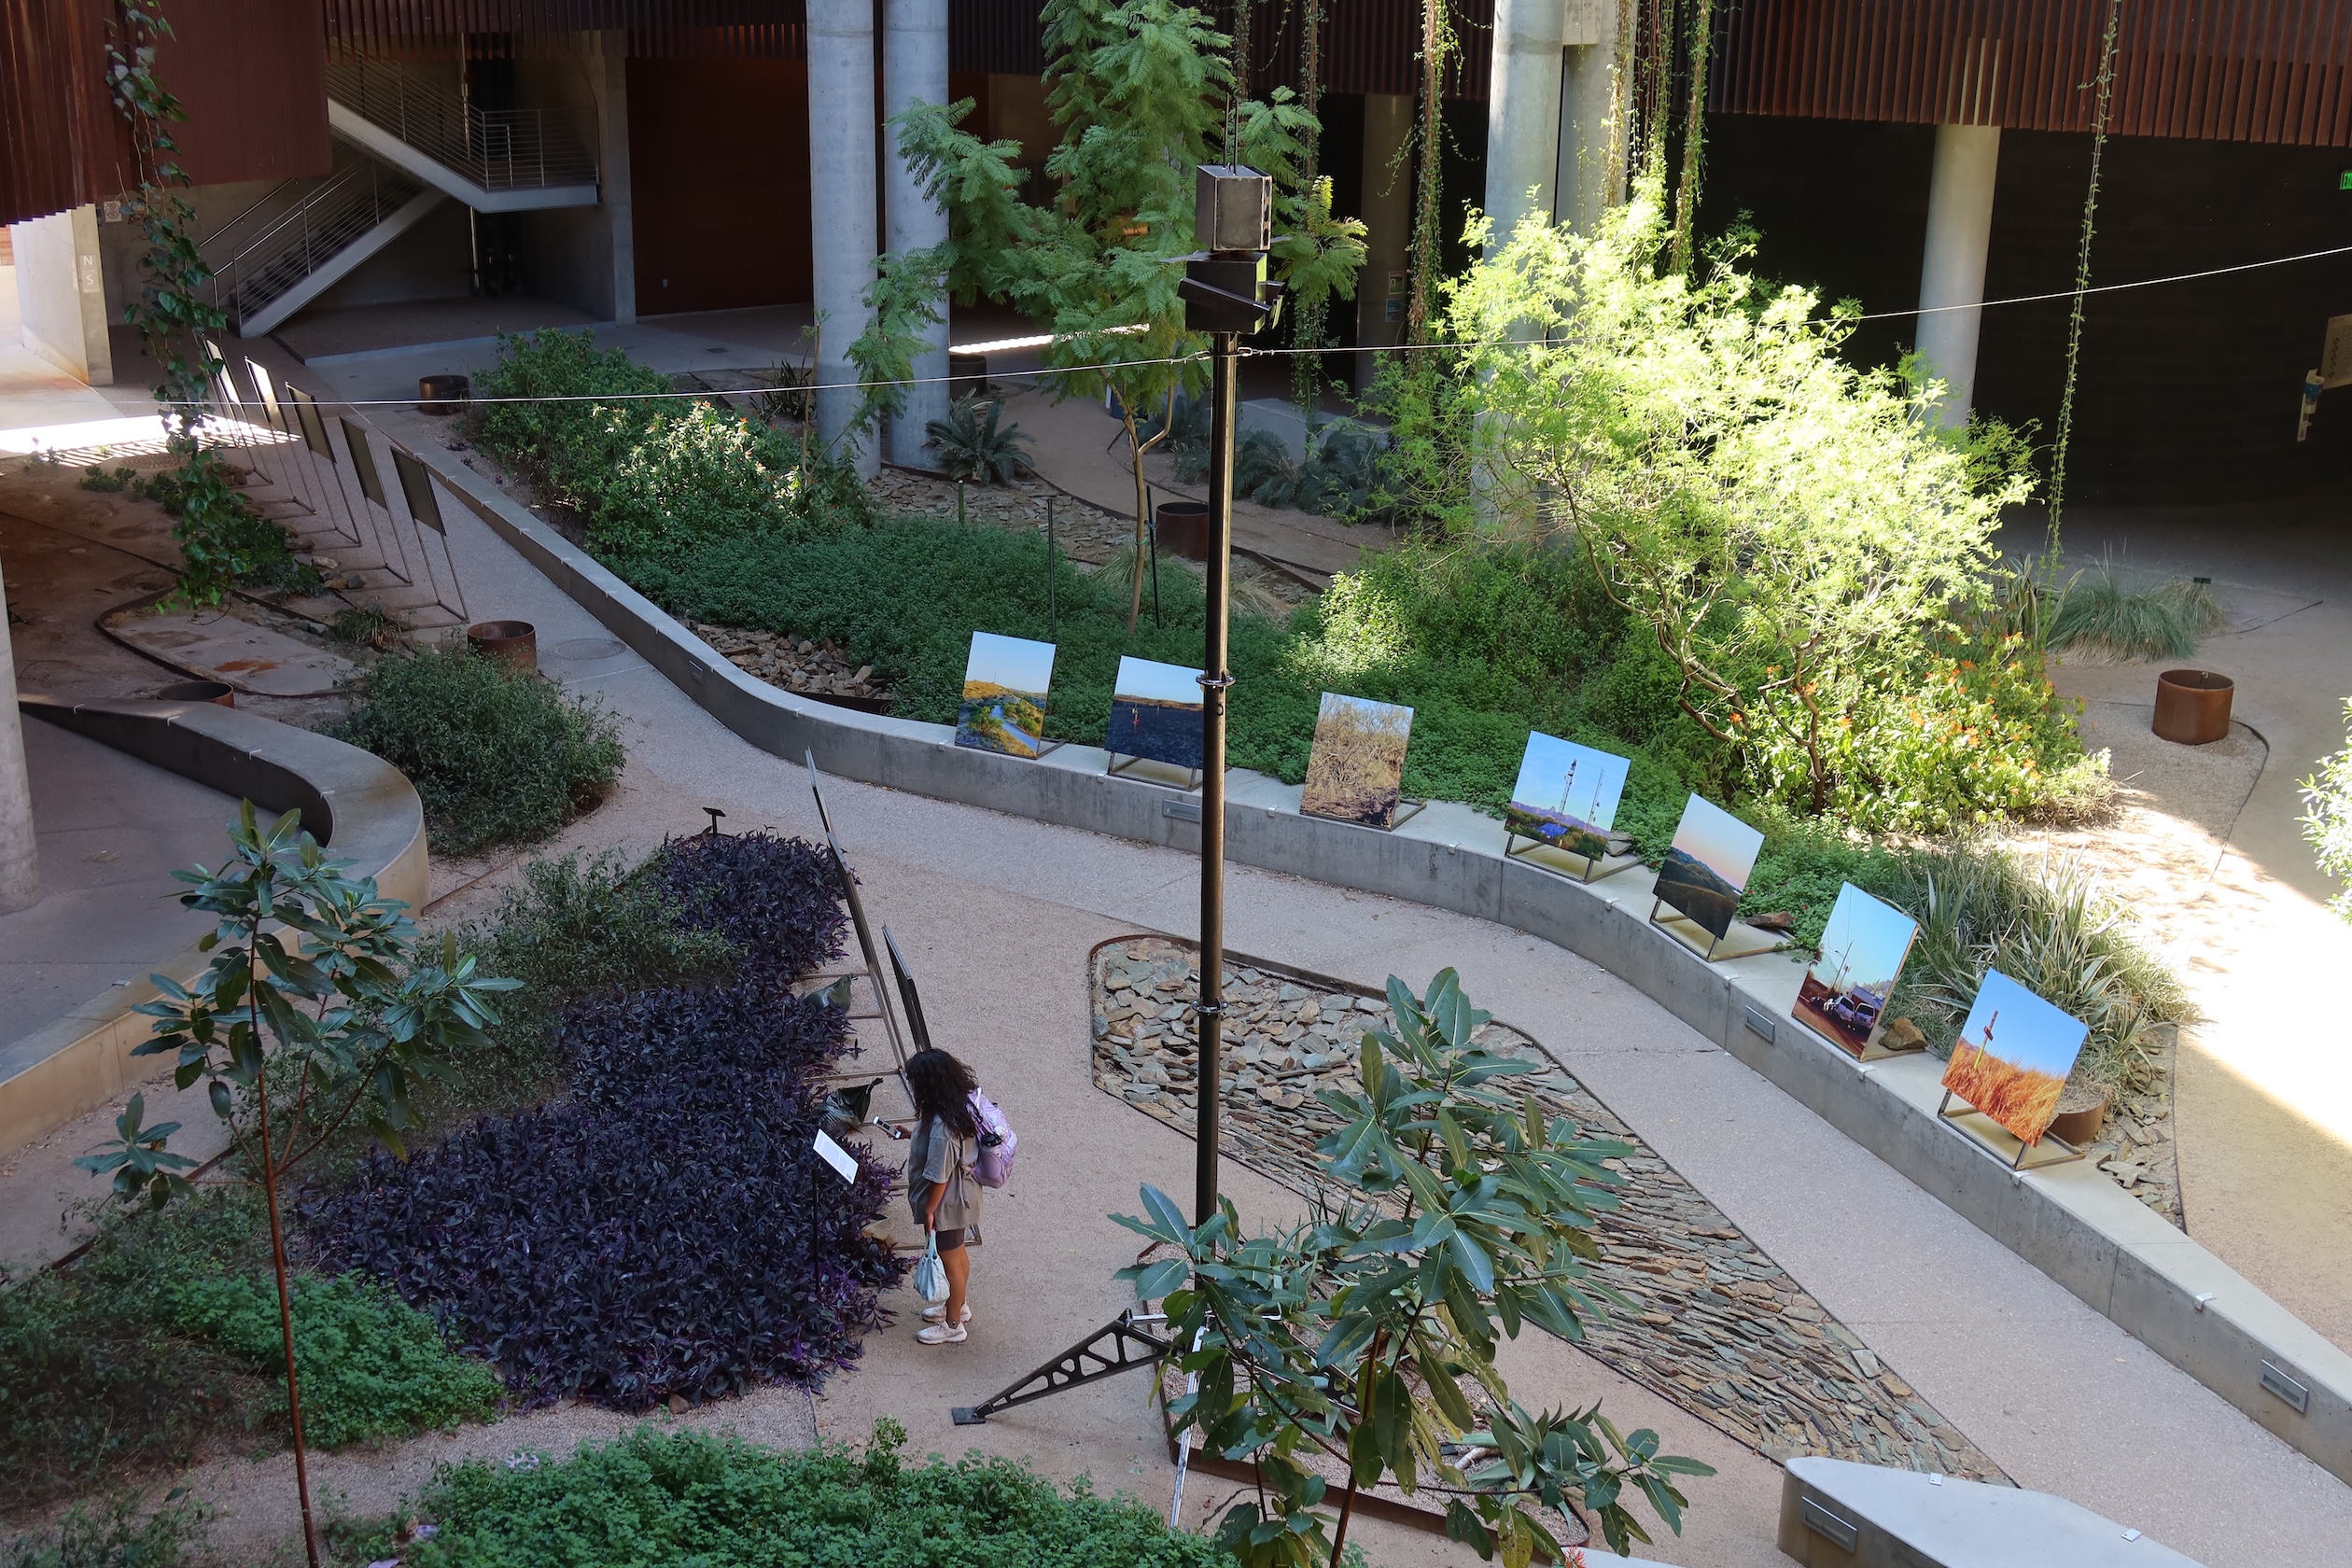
(972,445)
(1264,471)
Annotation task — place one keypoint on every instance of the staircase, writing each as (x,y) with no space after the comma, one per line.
(407,143)
(303,236)
(491,159)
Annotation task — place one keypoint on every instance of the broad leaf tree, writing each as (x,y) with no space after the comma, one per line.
(321,1008)
(1142,95)
(1362,1342)
(1791,530)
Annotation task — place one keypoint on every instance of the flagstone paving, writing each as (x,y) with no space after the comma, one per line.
(1715,1325)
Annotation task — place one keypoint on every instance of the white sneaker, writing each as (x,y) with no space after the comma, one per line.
(937,1312)
(940,1334)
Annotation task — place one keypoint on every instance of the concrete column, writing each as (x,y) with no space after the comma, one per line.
(1591,175)
(1388,223)
(20,868)
(609,70)
(841,194)
(1523,111)
(1959,230)
(915,66)
(62,294)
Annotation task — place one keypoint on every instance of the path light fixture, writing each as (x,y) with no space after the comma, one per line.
(1227,296)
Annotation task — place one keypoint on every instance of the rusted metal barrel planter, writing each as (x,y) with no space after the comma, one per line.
(199,691)
(2192,706)
(441,394)
(1184,529)
(514,643)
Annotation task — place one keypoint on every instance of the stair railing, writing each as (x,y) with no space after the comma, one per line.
(498,149)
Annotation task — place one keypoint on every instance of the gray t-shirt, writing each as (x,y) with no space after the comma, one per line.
(938,1157)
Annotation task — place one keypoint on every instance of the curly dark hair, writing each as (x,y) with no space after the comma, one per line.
(942,1087)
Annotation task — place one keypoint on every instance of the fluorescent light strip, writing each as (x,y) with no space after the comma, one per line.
(1006,345)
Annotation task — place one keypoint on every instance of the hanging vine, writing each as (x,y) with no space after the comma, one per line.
(1701,34)
(2082,280)
(1437,42)
(223,541)
(1308,324)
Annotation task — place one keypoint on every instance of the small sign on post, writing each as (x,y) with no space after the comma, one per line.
(835,1155)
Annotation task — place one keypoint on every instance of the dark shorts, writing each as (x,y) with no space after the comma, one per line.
(949,1240)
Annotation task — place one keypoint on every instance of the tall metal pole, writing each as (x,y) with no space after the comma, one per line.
(1225,353)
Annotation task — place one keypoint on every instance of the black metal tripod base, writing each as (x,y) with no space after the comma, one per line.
(1118,1346)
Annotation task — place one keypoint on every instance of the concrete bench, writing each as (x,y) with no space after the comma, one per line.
(1836,1514)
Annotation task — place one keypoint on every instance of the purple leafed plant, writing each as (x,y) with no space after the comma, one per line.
(775,899)
(668,1228)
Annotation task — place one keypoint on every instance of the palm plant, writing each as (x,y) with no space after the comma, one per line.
(972,445)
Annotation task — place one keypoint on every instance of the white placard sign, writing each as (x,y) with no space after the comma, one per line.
(2336,357)
(836,1157)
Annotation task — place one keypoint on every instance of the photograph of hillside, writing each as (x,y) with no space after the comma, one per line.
(1155,713)
(1844,993)
(1706,871)
(1004,687)
(2013,1057)
(1566,796)
(1356,772)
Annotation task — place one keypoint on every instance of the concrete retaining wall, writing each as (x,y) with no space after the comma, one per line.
(2071,1221)
(356,804)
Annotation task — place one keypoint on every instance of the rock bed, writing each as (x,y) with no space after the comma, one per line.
(1718,1327)
(2137,1145)
(796,664)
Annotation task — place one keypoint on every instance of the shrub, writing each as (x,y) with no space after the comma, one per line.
(775,900)
(566,929)
(972,445)
(667,1230)
(116,1533)
(499,755)
(2047,926)
(2101,618)
(372,1367)
(93,1382)
(654,473)
(2328,824)
(655,1498)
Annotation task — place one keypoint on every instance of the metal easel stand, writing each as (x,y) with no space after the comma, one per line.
(1407,809)
(1945,1115)
(1119,767)
(872,973)
(1596,867)
(1713,941)
(1118,1346)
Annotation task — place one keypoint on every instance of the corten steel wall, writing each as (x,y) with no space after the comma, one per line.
(60,143)
(2249,71)
(725,222)
(249,74)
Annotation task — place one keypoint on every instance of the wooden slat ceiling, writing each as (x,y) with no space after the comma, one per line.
(2276,71)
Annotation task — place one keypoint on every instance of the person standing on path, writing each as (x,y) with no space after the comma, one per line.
(941,1187)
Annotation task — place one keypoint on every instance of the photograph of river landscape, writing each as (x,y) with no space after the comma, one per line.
(1004,687)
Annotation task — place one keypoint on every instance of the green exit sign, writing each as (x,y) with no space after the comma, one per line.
(2344,180)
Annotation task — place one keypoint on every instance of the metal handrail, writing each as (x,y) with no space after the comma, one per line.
(338,211)
(498,149)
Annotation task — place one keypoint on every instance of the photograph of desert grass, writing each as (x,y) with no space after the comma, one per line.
(1566,796)
(2013,1057)
(1844,993)
(1356,772)
(1707,867)
(1004,686)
